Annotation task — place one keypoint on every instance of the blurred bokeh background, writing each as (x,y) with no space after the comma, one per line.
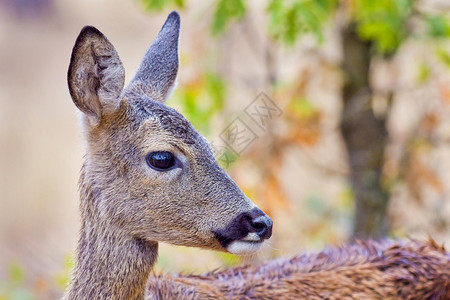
(359,145)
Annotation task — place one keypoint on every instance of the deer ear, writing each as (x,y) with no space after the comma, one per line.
(157,72)
(96,75)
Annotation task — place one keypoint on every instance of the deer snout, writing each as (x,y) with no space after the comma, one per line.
(246,232)
(262,225)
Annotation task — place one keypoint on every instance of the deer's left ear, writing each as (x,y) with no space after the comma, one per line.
(157,72)
(96,75)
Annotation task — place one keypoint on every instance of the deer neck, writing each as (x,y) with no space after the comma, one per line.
(109,264)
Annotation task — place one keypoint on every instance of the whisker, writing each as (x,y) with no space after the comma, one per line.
(268,245)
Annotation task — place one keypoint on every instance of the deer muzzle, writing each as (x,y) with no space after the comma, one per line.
(246,233)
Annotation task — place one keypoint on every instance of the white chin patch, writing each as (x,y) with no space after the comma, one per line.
(244,247)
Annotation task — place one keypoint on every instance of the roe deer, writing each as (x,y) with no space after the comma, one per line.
(148,176)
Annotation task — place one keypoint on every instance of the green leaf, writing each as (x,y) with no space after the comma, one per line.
(159,5)
(444,56)
(16,273)
(423,73)
(302,108)
(179,3)
(383,22)
(215,88)
(438,26)
(288,22)
(229,260)
(201,101)
(226,11)
(62,279)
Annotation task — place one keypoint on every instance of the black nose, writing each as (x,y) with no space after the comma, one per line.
(262,225)
(254,221)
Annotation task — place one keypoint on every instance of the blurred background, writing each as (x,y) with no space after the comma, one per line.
(356,145)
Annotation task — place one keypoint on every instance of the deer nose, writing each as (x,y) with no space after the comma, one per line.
(262,226)
(248,227)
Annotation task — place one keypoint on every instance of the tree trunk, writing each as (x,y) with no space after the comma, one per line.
(365,137)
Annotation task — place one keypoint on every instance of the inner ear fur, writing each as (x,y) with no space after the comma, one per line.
(96,75)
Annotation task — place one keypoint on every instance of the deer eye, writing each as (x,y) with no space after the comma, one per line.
(160,160)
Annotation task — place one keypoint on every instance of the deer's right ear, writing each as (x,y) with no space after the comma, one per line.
(96,75)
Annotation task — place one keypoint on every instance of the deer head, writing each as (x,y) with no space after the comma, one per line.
(148,174)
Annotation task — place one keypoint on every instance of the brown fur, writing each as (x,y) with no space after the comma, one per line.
(366,270)
(127,207)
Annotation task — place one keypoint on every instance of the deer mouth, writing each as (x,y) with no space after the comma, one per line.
(248,244)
